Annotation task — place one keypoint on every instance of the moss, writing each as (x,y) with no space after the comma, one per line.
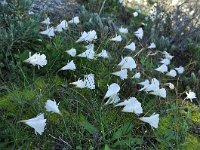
(191,143)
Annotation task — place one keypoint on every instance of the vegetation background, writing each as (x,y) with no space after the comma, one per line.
(87,123)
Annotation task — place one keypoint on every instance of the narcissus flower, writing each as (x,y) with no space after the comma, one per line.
(117,38)
(190,95)
(37,59)
(131,46)
(163,68)
(112,90)
(51,106)
(49,32)
(89,81)
(62,26)
(113,99)
(165,61)
(152,45)
(46,21)
(127,63)
(180,69)
(171,73)
(139,33)
(38,123)
(159,92)
(71,52)
(69,66)
(74,20)
(104,54)
(87,36)
(137,75)
(131,105)
(89,53)
(123,30)
(79,84)
(153,120)
(123,74)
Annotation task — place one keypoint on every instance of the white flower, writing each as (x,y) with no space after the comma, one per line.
(112,90)
(127,63)
(69,66)
(131,46)
(37,59)
(89,81)
(180,69)
(145,83)
(51,106)
(38,123)
(153,120)
(163,68)
(190,95)
(160,92)
(167,55)
(71,52)
(152,45)
(113,99)
(131,105)
(79,84)
(62,26)
(123,30)
(135,14)
(87,36)
(123,74)
(139,33)
(30,12)
(171,73)
(170,85)
(103,54)
(89,53)
(74,20)
(49,32)
(117,38)
(153,86)
(137,75)
(165,61)
(46,21)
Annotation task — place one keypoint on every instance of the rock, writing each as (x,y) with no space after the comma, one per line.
(56,8)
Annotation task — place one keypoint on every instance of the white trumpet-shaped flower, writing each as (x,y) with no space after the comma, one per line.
(123,30)
(153,86)
(117,38)
(163,68)
(190,95)
(135,14)
(113,99)
(131,105)
(165,61)
(112,90)
(137,75)
(152,46)
(46,21)
(49,32)
(74,20)
(37,59)
(79,84)
(127,63)
(104,54)
(38,123)
(131,46)
(170,85)
(123,74)
(180,69)
(69,66)
(171,73)
(87,36)
(71,52)
(52,106)
(89,53)
(153,120)
(139,33)
(62,26)
(167,55)
(160,92)
(89,81)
